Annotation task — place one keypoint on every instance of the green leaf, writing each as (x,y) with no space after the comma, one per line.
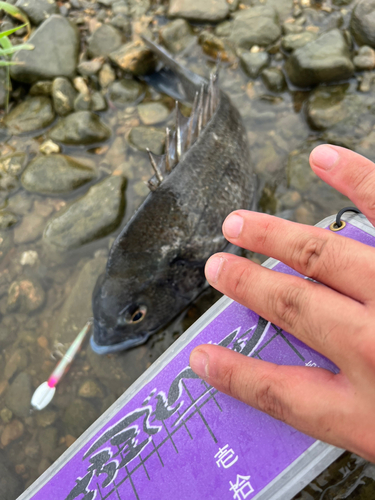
(13,30)
(15,12)
(8,63)
(16,48)
(6,43)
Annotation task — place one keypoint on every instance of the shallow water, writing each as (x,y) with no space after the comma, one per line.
(281,139)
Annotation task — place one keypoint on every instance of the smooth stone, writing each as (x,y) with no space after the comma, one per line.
(77,306)
(295,41)
(362,23)
(90,68)
(63,96)
(253,62)
(106,76)
(6,243)
(122,22)
(18,396)
(196,10)
(138,8)
(10,484)
(215,47)
(90,389)
(274,79)
(82,102)
(55,174)
(17,362)
(146,137)
(79,415)
(12,432)
(37,10)
(25,296)
(56,48)
(33,114)
(45,418)
(282,7)
(48,440)
(98,102)
(103,41)
(13,164)
(365,59)
(30,229)
(326,59)
(48,147)
(177,35)
(255,26)
(6,415)
(152,113)
(81,127)
(41,88)
(126,92)
(134,58)
(7,219)
(8,330)
(93,216)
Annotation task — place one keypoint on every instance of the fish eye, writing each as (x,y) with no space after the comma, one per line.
(133,314)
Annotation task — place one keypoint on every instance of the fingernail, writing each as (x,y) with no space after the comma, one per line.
(213,268)
(232,226)
(324,157)
(199,363)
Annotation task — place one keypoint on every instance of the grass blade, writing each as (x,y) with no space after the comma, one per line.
(16,48)
(6,43)
(15,12)
(10,32)
(8,63)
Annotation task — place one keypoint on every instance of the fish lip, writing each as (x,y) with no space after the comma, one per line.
(120,346)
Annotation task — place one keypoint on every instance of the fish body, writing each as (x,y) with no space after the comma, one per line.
(156,264)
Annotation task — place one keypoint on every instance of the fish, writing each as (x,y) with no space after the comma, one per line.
(155,267)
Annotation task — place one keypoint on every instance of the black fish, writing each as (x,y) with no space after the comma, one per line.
(155,267)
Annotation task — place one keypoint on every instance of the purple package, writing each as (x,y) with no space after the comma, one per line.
(173,436)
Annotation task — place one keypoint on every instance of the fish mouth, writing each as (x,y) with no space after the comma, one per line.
(118,346)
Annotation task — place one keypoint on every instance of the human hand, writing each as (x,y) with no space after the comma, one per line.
(338,321)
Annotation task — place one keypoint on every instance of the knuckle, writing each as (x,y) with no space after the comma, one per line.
(268,396)
(311,256)
(363,186)
(286,304)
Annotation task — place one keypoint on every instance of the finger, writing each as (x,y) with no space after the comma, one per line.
(312,400)
(317,253)
(327,321)
(348,172)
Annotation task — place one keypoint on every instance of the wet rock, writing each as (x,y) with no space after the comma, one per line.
(18,361)
(295,41)
(13,164)
(215,47)
(32,448)
(56,46)
(110,370)
(90,68)
(121,22)
(82,127)
(365,59)
(196,10)
(134,58)
(274,79)
(45,418)
(147,137)
(177,35)
(91,217)
(282,7)
(6,243)
(7,219)
(98,102)
(30,229)
(18,396)
(41,88)
(12,431)
(82,102)
(138,8)
(300,175)
(79,415)
(55,174)
(125,92)
(103,41)
(90,389)
(6,415)
(363,22)
(49,147)
(106,76)
(38,10)
(63,96)
(325,106)
(25,296)
(255,26)
(29,258)
(151,113)
(48,440)
(33,114)
(10,486)
(326,59)
(8,330)
(253,62)
(78,303)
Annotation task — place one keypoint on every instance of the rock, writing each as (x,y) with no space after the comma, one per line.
(18,396)
(29,258)
(49,147)
(177,35)
(90,389)
(362,23)
(134,58)
(8,330)
(147,137)
(326,59)
(6,242)
(30,229)
(56,47)
(25,296)
(138,8)
(325,106)
(7,219)
(48,440)
(255,26)
(215,47)
(10,486)
(41,88)
(55,174)
(126,92)
(274,79)
(33,114)
(38,10)
(81,127)
(196,10)
(45,418)
(82,102)
(12,431)
(79,415)
(98,102)
(3,87)
(77,307)
(121,22)
(90,68)
(253,62)
(365,60)
(294,41)
(91,217)
(18,361)
(13,164)
(103,41)
(282,7)
(151,113)
(106,76)
(6,415)
(300,175)
(63,96)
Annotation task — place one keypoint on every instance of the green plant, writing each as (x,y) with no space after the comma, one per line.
(6,47)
